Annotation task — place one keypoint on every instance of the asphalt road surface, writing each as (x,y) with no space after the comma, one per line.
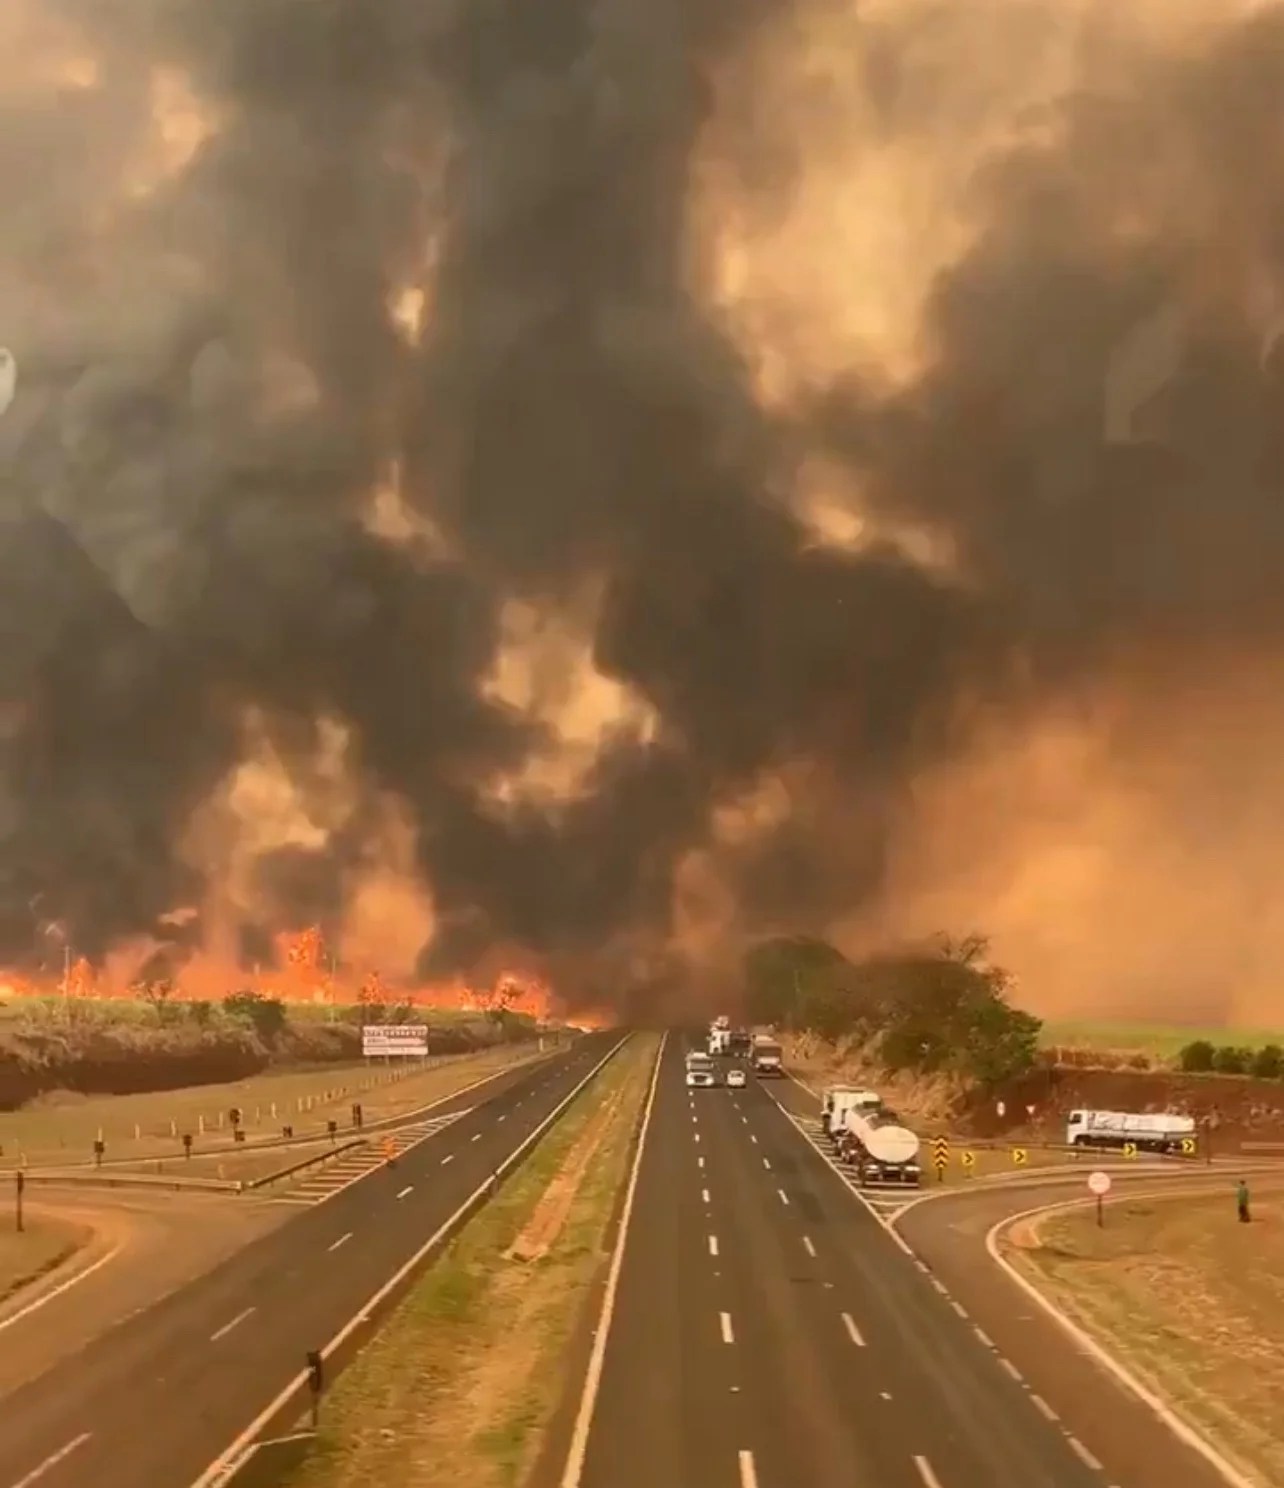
(155,1400)
(768,1333)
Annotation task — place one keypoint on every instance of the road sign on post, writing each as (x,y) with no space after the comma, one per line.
(1130,1150)
(1099,1185)
(393,1040)
(940,1156)
(968,1159)
(19,1183)
(1020,1156)
(1188,1146)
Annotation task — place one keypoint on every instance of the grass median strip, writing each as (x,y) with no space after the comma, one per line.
(42,1245)
(1188,1299)
(461,1382)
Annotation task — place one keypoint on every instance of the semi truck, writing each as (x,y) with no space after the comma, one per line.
(719,1042)
(1159,1132)
(838,1100)
(700,1075)
(741,1043)
(767,1057)
(883,1151)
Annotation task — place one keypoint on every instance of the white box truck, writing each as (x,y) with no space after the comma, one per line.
(1156,1132)
(700,1075)
(767,1057)
(882,1150)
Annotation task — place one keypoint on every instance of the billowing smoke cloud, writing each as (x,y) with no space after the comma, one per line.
(350,332)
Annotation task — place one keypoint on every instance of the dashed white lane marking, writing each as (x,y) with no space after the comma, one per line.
(853,1332)
(728,1336)
(784,1197)
(983,1336)
(753,1139)
(700,1160)
(409,1189)
(504,1117)
(1010,1367)
(227,1327)
(713,1245)
(959,1308)
(808,1246)
(697,1136)
(1084,1455)
(704,1194)
(749,1473)
(342,1240)
(925,1472)
(450,1157)
(766,1162)
(1042,1406)
(478,1137)
(62,1454)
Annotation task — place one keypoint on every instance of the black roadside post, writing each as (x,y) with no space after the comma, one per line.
(187,1144)
(99,1148)
(20,1182)
(358,1115)
(316,1379)
(333,1128)
(287,1132)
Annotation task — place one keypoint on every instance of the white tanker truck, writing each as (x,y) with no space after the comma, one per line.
(882,1151)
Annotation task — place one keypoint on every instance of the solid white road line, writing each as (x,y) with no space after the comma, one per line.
(54,1292)
(409,1189)
(808,1246)
(727,1335)
(853,1332)
(342,1240)
(60,1455)
(227,1327)
(748,1472)
(925,1472)
(574,1470)
(713,1245)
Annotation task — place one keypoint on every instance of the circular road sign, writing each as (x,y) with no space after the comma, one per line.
(1099,1183)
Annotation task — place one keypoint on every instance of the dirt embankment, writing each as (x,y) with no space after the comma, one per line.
(1240,1109)
(129,1059)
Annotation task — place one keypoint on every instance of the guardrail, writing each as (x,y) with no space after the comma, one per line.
(307,1162)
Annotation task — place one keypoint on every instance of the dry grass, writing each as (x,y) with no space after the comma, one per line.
(460,1384)
(43,1244)
(1189,1299)
(61,1129)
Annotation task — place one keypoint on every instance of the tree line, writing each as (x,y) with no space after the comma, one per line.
(942,1008)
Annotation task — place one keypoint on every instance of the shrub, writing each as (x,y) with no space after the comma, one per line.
(266,1015)
(1229,1060)
(1268,1062)
(1198,1058)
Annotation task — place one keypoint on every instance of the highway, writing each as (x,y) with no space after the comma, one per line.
(767,1332)
(152,1402)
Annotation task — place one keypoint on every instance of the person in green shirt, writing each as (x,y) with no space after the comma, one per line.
(1241,1201)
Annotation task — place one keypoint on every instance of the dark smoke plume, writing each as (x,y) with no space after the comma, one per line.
(215,382)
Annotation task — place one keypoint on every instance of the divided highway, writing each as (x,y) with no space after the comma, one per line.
(768,1333)
(154,1401)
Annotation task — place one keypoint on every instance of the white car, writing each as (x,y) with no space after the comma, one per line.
(736,1079)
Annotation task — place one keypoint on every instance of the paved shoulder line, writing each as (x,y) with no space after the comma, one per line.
(593,1381)
(1090,1346)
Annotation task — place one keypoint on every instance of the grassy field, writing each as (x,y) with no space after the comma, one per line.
(1190,1300)
(1160,1040)
(62,1128)
(43,1244)
(460,1384)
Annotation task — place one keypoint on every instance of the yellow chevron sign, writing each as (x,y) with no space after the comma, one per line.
(1130,1149)
(1020,1156)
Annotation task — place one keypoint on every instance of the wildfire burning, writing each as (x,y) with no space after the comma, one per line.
(303,970)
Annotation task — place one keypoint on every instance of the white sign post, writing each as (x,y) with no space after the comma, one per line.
(394,1040)
(1099,1184)
(8,379)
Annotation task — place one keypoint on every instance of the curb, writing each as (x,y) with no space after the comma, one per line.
(1101,1356)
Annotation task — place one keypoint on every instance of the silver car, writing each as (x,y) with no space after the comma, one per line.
(736,1079)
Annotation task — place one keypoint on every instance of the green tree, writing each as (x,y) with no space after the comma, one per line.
(266,1015)
(775,972)
(1268,1062)
(1197,1057)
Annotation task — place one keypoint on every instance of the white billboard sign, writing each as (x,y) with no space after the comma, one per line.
(390,1040)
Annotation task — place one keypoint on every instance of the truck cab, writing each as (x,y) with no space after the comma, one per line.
(838,1100)
(767,1058)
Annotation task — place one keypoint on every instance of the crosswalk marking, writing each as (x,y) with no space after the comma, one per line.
(315,1185)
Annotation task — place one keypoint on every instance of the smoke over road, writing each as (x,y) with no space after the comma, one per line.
(583,483)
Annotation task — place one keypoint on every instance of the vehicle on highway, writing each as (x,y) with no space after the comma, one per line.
(719,1042)
(741,1043)
(1151,1132)
(880,1147)
(838,1100)
(767,1057)
(700,1074)
(736,1079)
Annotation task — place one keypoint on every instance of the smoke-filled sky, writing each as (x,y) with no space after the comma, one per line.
(588,482)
